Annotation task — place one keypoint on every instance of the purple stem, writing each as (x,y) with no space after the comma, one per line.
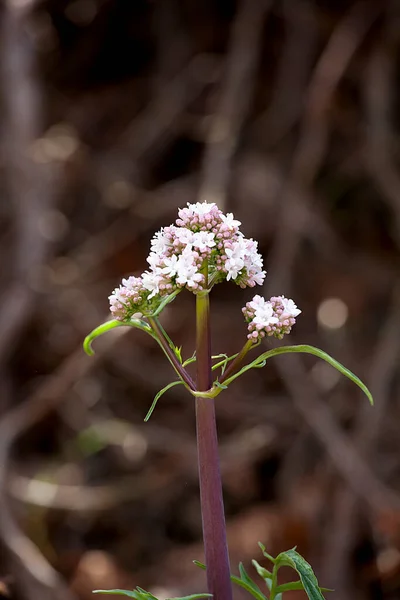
(212,505)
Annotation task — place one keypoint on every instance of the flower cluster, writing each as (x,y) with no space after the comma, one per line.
(202,248)
(274,317)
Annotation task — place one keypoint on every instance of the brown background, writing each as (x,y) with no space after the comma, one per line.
(114,113)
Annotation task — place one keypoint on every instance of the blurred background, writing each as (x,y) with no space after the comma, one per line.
(114,113)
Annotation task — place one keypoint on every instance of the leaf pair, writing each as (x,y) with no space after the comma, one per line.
(307,582)
(141,594)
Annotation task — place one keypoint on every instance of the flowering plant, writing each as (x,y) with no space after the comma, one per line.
(202,249)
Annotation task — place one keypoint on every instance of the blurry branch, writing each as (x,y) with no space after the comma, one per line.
(350,464)
(173,43)
(153,127)
(344,524)
(234,100)
(90,499)
(35,574)
(308,157)
(311,148)
(295,62)
(380,84)
(246,447)
(27,185)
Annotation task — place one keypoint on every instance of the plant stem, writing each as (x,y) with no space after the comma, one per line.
(165,345)
(212,506)
(234,365)
(274,582)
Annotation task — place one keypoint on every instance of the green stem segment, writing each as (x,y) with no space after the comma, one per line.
(212,506)
(165,345)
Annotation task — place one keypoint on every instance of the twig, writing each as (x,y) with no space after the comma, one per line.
(311,147)
(235,97)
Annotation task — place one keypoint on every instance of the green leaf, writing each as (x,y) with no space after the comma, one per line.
(248,588)
(130,594)
(244,581)
(223,363)
(190,360)
(263,550)
(219,385)
(257,593)
(264,573)
(178,353)
(192,597)
(157,396)
(292,586)
(261,360)
(107,326)
(164,303)
(291,558)
(145,593)
(296,585)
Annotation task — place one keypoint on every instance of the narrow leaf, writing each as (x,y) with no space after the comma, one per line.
(158,396)
(264,573)
(249,588)
(190,360)
(164,303)
(107,326)
(287,587)
(245,577)
(291,558)
(263,550)
(130,594)
(252,589)
(192,597)
(303,348)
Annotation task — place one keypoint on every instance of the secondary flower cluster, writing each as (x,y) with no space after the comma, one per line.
(274,317)
(202,248)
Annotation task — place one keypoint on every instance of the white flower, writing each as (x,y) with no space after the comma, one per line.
(159,243)
(203,240)
(184,235)
(235,261)
(265,315)
(258,302)
(229,221)
(258,277)
(289,309)
(151,282)
(201,208)
(171,266)
(154,261)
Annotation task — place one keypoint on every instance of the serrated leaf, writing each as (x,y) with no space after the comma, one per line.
(158,396)
(262,572)
(293,559)
(261,360)
(107,326)
(129,593)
